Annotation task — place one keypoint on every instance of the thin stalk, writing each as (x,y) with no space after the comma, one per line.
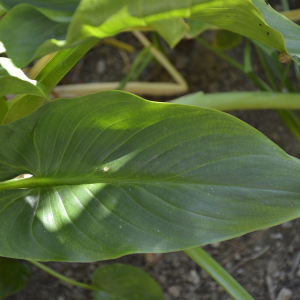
(284,76)
(162,59)
(139,88)
(207,263)
(267,69)
(297,72)
(220,54)
(137,67)
(285,5)
(293,15)
(248,70)
(241,100)
(156,42)
(260,84)
(288,116)
(291,121)
(142,67)
(118,44)
(63,278)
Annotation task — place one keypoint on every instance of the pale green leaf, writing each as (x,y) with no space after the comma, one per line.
(2,48)
(172,30)
(28,34)
(114,174)
(195,27)
(14,81)
(122,282)
(56,10)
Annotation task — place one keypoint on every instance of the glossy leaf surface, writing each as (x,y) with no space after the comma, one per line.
(14,81)
(48,33)
(122,282)
(115,174)
(14,275)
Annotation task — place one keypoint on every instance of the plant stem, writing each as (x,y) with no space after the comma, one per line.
(285,5)
(291,121)
(267,69)
(220,54)
(207,263)
(162,60)
(139,88)
(242,100)
(63,278)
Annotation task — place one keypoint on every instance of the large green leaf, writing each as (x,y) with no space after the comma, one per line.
(14,81)
(47,33)
(14,275)
(114,174)
(122,282)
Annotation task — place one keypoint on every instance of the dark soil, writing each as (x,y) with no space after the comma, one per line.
(264,262)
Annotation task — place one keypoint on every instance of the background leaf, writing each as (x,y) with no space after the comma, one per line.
(172,30)
(122,282)
(56,10)
(14,275)
(114,174)
(27,33)
(254,19)
(195,27)
(14,81)
(225,39)
(49,76)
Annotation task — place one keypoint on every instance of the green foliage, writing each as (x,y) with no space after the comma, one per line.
(115,174)
(14,275)
(3,108)
(49,76)
(122,282)
(225,39)
(151,177)
(52,26)
(196,27)
(14,81)
(207,263)
(241,100)
(172,30)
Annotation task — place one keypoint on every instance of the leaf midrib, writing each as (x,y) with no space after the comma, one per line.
(40,182)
